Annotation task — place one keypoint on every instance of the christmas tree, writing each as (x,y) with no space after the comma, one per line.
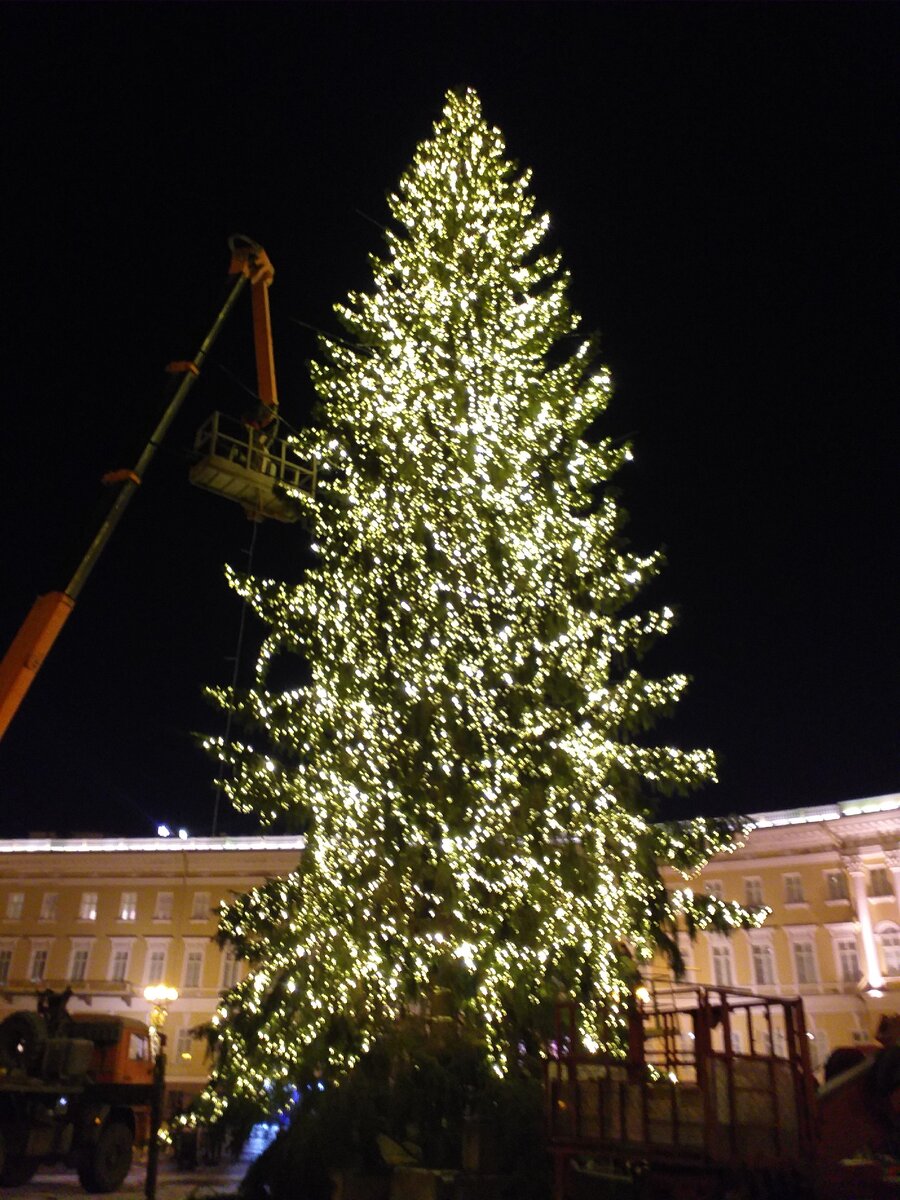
(469,758)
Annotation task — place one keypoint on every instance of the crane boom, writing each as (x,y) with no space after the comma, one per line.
(48,614)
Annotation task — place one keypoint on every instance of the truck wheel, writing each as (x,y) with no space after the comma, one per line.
(106,1163)
(18,1170)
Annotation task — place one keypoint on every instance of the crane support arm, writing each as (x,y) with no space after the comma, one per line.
(250,260)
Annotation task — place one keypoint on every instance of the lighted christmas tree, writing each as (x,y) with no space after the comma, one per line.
(469,759)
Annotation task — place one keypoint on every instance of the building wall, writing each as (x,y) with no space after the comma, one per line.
(831,876)
(143,910)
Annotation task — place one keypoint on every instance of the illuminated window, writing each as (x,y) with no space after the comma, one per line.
(818,1050)
(128,906)
(193,968)
(164,906)
(87,909)
(200,906)
(890,947)
(836,885)
(230,969)
(118,971)
(713,887)
(38,968)
(753,893)
(49,906)
(15,902)
(880,882)
(805,961)
(723,974)
(5,964)
(847,956)
(793,890)
(78,965)
(156,966)
(138,1048)
(184,1042)
(763,964)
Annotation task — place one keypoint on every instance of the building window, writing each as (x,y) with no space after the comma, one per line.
(156,966)
(49,906)
(880,882)
(193,966)
(763,964)
(5,964)
(183,1043)
(890,948)
(836,885)
(164,906)
(87,909)
(753,893)
(118,971)
(805,961)
(713,887)
(128,906)
(138,1048)
(38,968)
(723,975)
(847,956)
(78,965)
(818,1050)
(686,946)
(229,969)
(200,906)
(793,889)
(15,902)
(774,1044)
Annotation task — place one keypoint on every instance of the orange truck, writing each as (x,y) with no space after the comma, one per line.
(75,1089)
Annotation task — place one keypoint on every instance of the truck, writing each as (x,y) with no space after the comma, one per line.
(75,1089)
(714,1098)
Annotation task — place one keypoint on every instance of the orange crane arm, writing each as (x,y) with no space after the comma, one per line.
(23,660)
(251,261)
(48,614)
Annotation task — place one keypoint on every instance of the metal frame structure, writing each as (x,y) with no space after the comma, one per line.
(713,1078)
(244,464)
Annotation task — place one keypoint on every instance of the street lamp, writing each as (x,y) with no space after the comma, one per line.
(159,996)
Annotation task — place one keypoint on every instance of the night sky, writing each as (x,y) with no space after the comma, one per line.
(723,185)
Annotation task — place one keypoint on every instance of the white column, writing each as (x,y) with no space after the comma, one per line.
(857,873)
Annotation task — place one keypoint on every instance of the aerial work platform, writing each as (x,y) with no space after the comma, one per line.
(251,467)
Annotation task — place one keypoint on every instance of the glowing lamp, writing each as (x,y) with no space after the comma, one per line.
(160,994)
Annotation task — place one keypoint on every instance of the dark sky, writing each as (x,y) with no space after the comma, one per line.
(723,185)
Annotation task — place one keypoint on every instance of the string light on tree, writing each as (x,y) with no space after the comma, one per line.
(468,758)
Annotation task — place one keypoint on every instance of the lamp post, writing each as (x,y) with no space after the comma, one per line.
(159,997)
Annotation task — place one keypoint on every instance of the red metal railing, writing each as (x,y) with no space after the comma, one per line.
(709,1076)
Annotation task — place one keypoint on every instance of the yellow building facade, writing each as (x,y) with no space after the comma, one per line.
(831,877)
(108,917)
